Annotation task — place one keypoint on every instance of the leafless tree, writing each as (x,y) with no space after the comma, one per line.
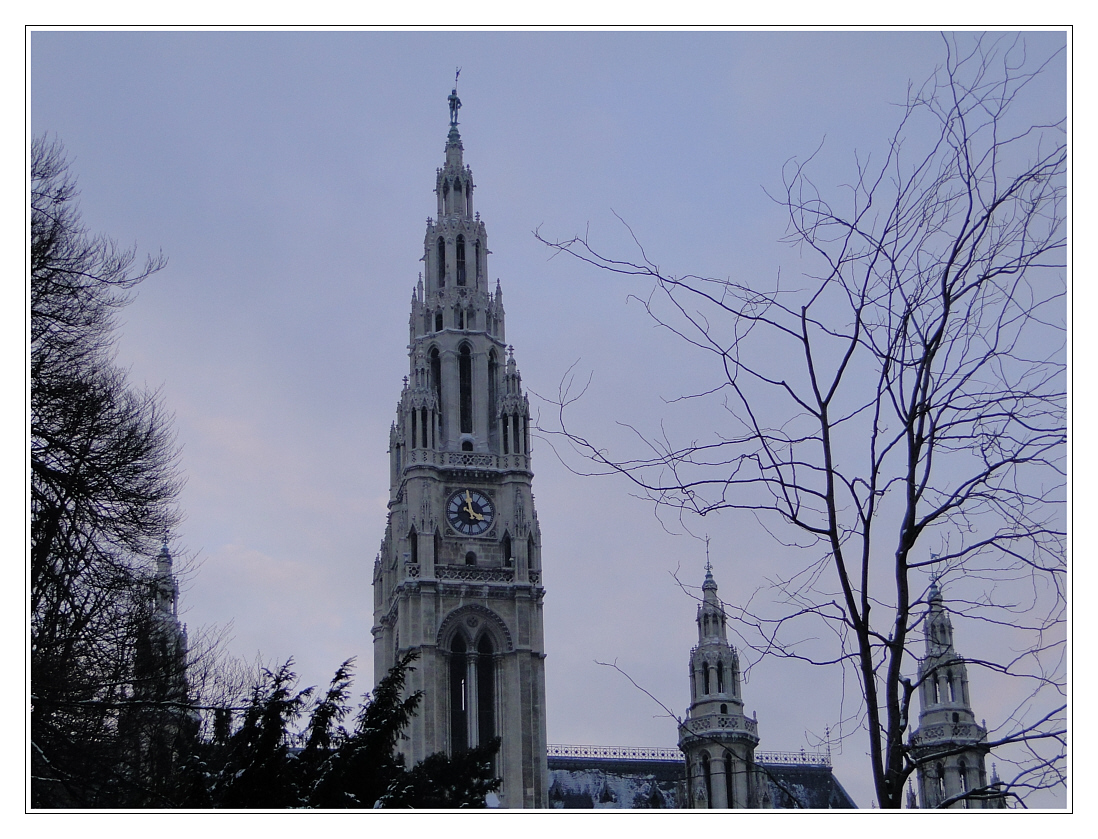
(103,485)
(899,410)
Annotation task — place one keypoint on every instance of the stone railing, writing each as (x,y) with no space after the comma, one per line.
(721,722)
(615,752)
(801,758)
(472,574)
(948,732)
(467,460)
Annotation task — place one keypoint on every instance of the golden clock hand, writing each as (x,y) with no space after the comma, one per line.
(473,514)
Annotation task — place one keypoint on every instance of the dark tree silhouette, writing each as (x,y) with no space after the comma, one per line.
(899,410)
(103,486)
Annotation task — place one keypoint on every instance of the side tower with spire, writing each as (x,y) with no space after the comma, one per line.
(716,737)
(458,578)
(948,747)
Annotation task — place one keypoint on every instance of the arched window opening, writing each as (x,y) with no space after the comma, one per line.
(941,781)
(706,671)
(477,267)
(949,685)
(441,260)
(470,558)
(466,445)
(720,677)
(493,374)
(438,321)
(415,431)
(706,773)
(460,261)
(461,318)
(486,690)
(465,374)
(436,372)
(459,696)
(413,546)
(516,438)
(934,688)
(526,434)
(438,546)
(724,708)
(506,436)
(508,561)
(531,551)
(956,717)
(423,427)
(729,799)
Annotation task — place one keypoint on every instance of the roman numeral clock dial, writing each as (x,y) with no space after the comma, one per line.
(470,512)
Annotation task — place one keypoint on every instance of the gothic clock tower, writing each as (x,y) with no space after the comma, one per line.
(458,577)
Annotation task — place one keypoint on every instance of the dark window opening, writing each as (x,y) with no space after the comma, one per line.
(505,434)
(531,552)
(486,691)
(724,708)
(441,263)
(706,680)
(507,560)
(466,445)
(720,677)
(470,558)
(476,267)
(493,373)
(708,780)
(465,374)
(438,321)
(459,695)
(438,546)
(413,546)
(728,798)
(460,260)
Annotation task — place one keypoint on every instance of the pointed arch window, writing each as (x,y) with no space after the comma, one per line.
(941,782)
(465,375)
(962,773)
(508,561)
(705,668)
(459,696)
(949,688)
(486,690)
(531,552)
(720,677)
(476,264)
(470,558)
(441,262)
(493,375)
(460,261)
(413,546)
(438,321)
(438,546)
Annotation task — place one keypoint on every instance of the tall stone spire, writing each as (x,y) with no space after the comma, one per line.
(458,578)
(716,737)
(948,746)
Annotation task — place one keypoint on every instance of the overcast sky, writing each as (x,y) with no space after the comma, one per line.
(287,178)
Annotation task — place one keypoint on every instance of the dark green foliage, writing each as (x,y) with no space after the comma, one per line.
(258,765)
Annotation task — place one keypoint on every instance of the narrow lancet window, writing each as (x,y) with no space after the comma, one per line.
(465,374)
(441,260)
(460,260)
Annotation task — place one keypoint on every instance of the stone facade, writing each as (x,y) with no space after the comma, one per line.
(458,577)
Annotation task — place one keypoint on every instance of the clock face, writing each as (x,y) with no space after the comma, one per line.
(470,512)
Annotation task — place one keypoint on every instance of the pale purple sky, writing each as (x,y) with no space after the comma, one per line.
(288,176)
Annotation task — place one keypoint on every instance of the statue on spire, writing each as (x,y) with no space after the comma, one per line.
(455,103)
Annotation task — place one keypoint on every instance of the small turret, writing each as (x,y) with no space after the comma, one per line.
(949,747)
(717,738)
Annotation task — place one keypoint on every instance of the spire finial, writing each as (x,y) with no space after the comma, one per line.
(708,564)
(455,103)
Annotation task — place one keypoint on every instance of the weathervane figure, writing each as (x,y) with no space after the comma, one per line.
(455,103)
